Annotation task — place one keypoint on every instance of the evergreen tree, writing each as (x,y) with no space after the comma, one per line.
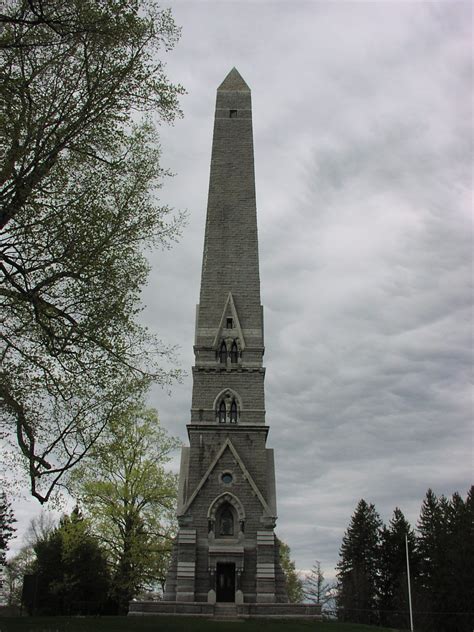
(432,552)
(372,569)
(459,576)
(446,549)
(358,566)
(393,583)
(316,588)
(71,570)
(7,520)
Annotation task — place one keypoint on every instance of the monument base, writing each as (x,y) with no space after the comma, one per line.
(242,610)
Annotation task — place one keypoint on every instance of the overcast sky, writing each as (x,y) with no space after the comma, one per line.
(362,127)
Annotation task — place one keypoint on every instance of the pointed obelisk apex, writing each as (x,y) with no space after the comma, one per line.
(230,260)
(233,81)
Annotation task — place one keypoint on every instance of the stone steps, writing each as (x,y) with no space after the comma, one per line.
(226,612)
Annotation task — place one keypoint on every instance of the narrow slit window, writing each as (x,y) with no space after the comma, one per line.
(234,353)
(222,413)
(230,323)
(233,412)
(223,353)
(232,113)
(226,521)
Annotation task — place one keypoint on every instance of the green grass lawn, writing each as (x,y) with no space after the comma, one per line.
(170,624)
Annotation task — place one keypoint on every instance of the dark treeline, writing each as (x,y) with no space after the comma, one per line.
(69,574)
(372,570)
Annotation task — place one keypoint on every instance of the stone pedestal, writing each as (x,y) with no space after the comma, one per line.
(278,611)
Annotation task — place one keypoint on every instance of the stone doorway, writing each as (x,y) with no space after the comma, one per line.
(225,582)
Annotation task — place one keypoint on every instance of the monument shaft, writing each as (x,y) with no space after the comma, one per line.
(226,549)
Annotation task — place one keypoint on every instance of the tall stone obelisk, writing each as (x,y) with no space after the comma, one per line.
(225,557)
(226,549)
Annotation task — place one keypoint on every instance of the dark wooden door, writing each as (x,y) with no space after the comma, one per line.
(225,580)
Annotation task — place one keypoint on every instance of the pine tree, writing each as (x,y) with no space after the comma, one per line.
(446,550)
(432,551)
(393,583)
(358,566)
(459,578)
(316,588)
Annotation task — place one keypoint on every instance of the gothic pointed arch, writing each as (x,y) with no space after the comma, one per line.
(233,412)
(222,412)
(222,500)
(227,406)
(223,353)
(234,353)
(229,393)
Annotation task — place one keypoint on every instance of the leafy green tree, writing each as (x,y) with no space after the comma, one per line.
(16,568)
(393,582)
(71,569)
(130,499)
(294,584)
(23,563)
(7,530)
(79,82)
(358,566)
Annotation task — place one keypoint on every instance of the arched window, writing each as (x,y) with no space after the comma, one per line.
(223,353)
(225,520)
(222,412)
(234,353)
(233,412)
(227,407)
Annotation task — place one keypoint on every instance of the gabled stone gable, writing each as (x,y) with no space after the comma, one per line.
(227,445)
(223,332)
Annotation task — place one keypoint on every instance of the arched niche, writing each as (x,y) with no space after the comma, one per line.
(228,407)
(227,395)
(226,498)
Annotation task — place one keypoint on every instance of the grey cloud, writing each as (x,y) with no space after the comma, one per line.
(362,124)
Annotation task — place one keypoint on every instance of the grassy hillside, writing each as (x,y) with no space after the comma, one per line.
(170,624)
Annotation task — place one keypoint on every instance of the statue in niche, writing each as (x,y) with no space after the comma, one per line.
(226,522)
